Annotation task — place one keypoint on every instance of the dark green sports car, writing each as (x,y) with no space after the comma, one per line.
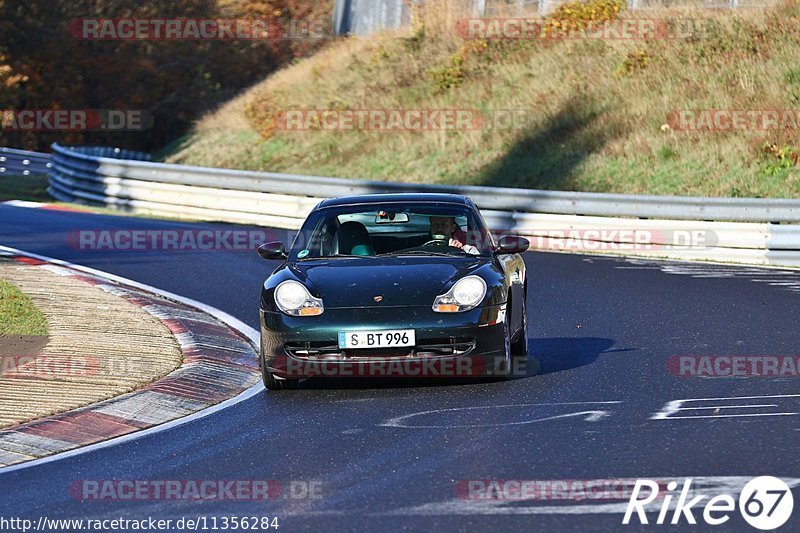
(393,285)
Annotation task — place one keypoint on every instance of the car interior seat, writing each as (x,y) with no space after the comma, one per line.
(353,239)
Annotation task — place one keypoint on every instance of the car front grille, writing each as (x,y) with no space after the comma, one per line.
(321,351)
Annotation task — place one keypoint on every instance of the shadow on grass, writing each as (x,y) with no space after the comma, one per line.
(31,188)
(547,156)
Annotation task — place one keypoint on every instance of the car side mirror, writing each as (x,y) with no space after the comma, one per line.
(512,244)
(272,250)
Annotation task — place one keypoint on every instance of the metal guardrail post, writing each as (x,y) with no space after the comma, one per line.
(23,162)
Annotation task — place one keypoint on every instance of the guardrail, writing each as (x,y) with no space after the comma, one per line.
(24,163)
(746,230)
(75,163)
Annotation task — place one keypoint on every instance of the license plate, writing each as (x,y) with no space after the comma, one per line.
(391,338)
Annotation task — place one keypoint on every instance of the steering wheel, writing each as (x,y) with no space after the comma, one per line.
(440,242)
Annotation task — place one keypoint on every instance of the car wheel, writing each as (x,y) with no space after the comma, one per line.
(273,383)
(506,370)
(519,348)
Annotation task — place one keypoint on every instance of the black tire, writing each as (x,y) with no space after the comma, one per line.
(519,348)
(505,367)
(273,383)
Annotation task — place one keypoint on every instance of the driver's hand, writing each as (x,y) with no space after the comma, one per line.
(456,243)
(471,250)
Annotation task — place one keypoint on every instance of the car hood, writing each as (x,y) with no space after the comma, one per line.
(401,281)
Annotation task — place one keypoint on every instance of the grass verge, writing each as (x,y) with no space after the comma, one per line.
(30,188)
(18,314)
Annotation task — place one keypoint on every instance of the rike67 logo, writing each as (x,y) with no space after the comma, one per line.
(765,503)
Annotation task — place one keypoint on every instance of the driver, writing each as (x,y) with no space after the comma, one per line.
(444,228)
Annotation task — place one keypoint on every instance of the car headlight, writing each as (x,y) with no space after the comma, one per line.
(294,299)
(466,294)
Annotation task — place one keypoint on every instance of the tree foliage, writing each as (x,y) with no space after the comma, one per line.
(43,66)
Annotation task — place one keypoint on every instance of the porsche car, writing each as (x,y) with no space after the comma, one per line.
(393,284)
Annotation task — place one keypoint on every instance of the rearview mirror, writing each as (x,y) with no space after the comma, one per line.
(272,250)
(387,217)
(512,244)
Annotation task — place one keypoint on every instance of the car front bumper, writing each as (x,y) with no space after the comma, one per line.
(458,345)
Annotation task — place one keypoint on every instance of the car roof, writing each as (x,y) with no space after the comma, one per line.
(372,199)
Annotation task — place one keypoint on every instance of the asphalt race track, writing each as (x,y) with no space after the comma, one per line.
(390,455)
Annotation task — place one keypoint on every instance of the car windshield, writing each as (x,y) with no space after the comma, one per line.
(392,230)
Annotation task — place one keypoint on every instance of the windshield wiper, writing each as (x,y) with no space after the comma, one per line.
(416,252)
(334,256)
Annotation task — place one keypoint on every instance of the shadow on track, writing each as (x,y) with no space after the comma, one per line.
(546,356)
(562,353)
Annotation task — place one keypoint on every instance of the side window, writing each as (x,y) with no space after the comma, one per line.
(484,236)
(328,234)
(318,242)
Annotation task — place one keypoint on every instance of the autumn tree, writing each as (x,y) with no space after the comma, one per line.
(44,66)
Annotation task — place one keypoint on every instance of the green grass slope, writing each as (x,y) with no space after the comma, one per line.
(593,114)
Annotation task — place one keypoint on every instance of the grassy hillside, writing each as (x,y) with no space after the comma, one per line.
(596,111)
